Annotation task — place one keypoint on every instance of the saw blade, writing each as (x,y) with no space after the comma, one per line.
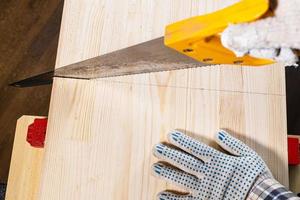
(150,56)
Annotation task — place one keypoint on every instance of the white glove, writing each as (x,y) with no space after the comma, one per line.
(210,174)
(276,37)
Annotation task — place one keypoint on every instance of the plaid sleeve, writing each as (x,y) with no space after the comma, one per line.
(267,188)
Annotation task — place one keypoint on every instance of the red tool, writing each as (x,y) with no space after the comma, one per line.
(36,133)
(293,151)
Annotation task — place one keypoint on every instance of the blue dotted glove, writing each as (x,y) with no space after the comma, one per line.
(207,173)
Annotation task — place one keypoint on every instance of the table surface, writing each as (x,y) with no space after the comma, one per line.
(101,132)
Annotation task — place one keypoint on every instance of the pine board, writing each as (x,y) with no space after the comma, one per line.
(26,164)
(101,132)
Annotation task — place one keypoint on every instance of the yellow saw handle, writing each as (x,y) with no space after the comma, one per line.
(199,37)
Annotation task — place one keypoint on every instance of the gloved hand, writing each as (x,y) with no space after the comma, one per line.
(275,37)
(207,173)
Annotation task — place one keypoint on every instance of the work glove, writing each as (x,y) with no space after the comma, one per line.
(275,37)
(206,173)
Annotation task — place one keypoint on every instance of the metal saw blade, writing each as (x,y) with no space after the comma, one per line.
(150,56)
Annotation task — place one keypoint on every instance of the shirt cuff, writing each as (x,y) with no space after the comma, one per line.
(267,188)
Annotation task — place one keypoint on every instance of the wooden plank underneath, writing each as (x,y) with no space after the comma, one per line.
(26,164)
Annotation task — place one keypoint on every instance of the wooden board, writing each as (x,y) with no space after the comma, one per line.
(294,174)
(26,164)
(101,132)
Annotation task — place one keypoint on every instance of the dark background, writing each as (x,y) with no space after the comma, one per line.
(292,76)
(29,31)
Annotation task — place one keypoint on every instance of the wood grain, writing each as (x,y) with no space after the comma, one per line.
(26,165)
(101,132)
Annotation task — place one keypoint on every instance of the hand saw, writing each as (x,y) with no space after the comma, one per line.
(193,42)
